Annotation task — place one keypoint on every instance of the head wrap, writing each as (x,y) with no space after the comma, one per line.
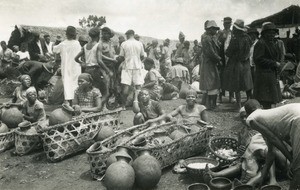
(86,77)
(30,90)
(191,92)
(23,77)
(94,32)
(251,105)
(181,35)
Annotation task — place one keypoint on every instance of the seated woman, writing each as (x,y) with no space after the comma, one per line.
(19,95)
(32,109)
(152,80)
(190,112)
(145,109)
(169,91)
(87,98)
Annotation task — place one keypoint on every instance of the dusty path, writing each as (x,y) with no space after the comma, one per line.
(33,172)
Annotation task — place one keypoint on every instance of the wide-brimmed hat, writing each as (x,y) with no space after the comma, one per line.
(71,30)
(212,24)
(253,31)
(227,20)
(266,26)
(239,24)
(179,60)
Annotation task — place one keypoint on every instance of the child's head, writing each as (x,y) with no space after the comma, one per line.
(23,47)
(143,96)
(149,63)
(31,94)
(25,80)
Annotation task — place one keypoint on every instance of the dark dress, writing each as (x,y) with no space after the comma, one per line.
(266,85)
(237,72)
(209,75)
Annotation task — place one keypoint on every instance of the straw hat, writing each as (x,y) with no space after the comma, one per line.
(239,24)
(212,24)
(266,26)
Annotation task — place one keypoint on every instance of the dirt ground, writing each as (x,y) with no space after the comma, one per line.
(33,172)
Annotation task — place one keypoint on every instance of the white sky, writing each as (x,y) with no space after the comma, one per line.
(155,18)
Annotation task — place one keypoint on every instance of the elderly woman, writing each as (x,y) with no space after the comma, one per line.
(146,109)
(266,57)
(87,98)
(19,95)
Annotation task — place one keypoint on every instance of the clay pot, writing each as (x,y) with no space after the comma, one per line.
(161,137)
(26,127)
(104,133)
(244,187)
(271,187)
(177,134)
(3,128)
(198,186)
(139,141)
(147,170)
(12,117)
(119,175)
(220,183)
(61,115)
(120,151)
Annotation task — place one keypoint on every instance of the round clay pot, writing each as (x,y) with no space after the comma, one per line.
(61,115)
(119,175)
(198,186)
(120,151)
(12,117)
(161,137)
(220,183)
(147,170)
(3,128)
(104,133)
(177,134)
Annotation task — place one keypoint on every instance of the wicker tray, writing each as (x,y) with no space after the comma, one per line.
(7,140)
(26,143)
(169,153)
(97,158)
(62,140)
(217,143)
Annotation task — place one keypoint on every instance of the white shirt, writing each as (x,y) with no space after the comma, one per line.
(40,47)
(23,55)
(49,47)
(252,64)
(132,50)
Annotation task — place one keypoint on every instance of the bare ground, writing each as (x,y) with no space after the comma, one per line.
(33,172)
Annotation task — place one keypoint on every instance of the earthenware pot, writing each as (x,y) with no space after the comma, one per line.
(271,187)
(147,170)
(220,183)
(12,117)
(198,186)
(177,134)
(61,115)
(104,133)
(120,151)
(161,137)
(3,128)
(119,175)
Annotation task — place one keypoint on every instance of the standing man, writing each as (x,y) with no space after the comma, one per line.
(37,48)
(165,59)
(154,54)
(70,69)
(180,47)
(224,37)
(48,43)
(131,52)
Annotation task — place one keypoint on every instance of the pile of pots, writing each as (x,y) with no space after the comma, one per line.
(10,119)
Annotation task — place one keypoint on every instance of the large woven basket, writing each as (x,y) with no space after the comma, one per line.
(26,143)
(220,142)
(7,140)
(191,144)
(97,157)
(62,140)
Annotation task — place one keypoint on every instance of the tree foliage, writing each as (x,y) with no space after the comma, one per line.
(92,21)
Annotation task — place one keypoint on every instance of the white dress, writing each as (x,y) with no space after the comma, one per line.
(70,69)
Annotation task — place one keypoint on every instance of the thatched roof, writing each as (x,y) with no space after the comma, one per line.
(288,17)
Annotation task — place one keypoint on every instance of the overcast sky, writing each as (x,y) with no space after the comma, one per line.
(155,18)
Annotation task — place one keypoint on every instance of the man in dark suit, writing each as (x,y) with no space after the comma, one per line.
(37,48)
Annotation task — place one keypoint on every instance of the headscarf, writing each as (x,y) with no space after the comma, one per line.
(181,35)
(191,92)
(86,76)
(30,90)
(23,77)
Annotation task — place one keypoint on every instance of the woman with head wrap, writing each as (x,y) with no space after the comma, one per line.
(87,98)
(190,112)
(19,95)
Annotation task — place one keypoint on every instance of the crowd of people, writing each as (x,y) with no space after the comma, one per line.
(86,74)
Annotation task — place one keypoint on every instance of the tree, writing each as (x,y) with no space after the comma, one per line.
(92,21)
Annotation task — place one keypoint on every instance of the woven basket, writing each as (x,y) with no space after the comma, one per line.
(62,140)
(26,143)
(97,158)
(169,153)
(7,140)
(221,142)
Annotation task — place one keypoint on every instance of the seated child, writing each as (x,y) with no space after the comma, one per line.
(87,98)
(145,109)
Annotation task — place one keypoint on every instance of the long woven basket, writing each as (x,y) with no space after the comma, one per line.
(97,157)
(7,140)
(26,143)
(62,140)
(169,153)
